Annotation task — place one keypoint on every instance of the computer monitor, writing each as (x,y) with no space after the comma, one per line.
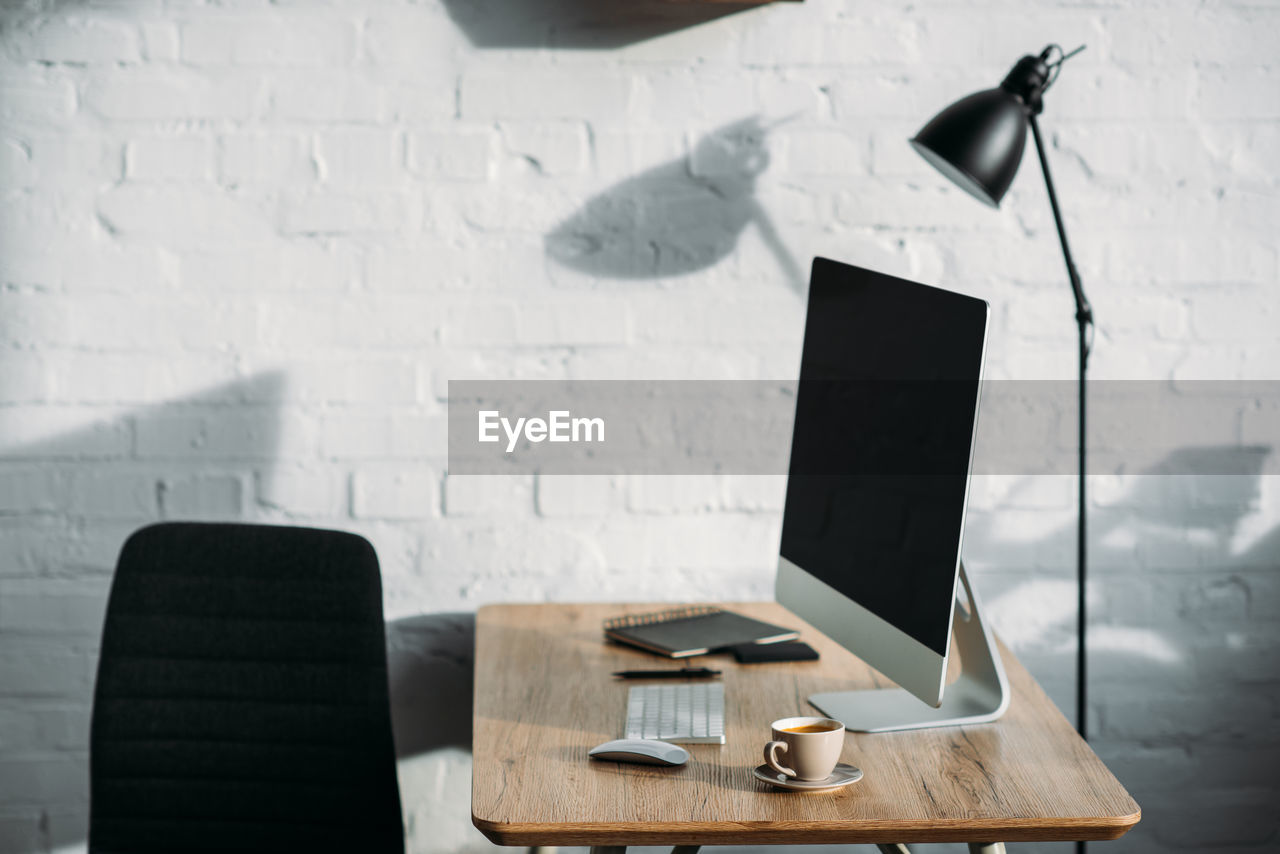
(886,411)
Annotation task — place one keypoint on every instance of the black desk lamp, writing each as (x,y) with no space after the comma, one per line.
(977,142)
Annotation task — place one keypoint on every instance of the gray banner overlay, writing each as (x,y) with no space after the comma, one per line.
(1207,427)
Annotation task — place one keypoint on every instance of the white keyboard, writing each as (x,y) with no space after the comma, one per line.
(685,713)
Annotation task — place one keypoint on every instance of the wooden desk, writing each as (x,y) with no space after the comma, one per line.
(544,697)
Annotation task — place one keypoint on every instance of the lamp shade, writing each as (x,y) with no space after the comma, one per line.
(977,142)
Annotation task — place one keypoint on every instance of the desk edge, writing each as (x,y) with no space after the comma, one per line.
(830,833)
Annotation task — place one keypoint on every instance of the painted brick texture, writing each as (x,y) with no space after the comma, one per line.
(245,245)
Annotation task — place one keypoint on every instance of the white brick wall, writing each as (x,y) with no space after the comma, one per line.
(244,246)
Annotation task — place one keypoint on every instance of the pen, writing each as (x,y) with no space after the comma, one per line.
(682,673)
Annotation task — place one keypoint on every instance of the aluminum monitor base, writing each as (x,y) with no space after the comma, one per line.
(981,694)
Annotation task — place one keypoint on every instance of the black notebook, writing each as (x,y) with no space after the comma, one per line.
(681,632)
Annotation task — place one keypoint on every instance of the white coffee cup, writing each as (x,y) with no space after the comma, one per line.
(810,745)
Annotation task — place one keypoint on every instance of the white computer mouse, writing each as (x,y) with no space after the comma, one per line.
(642,750)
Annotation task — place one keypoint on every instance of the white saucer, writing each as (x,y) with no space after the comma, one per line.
(842,776)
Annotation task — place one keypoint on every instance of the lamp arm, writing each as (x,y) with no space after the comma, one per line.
(1084,311)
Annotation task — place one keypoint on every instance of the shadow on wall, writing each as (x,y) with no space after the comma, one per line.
(1169,513)
(431,670)
(1179,570)
(582,24)
(69,497)
(677,218)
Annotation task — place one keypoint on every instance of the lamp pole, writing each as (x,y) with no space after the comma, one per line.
(1084,327)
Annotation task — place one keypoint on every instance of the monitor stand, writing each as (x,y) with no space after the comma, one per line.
(981,694)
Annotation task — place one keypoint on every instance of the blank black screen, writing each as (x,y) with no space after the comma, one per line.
(882,443)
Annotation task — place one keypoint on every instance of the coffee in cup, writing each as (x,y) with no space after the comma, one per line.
(811,747)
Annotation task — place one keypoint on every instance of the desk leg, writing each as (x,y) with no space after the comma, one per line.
(685,849)
(608,849)
(986,848)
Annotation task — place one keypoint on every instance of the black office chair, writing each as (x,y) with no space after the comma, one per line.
(241,702)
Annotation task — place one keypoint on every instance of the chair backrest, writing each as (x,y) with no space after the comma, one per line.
(241,701)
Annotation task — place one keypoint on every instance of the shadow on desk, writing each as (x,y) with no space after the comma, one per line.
(431,670)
